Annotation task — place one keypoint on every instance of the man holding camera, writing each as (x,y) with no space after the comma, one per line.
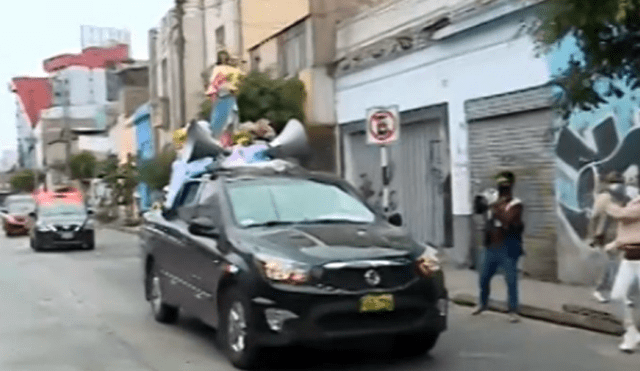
(503,244)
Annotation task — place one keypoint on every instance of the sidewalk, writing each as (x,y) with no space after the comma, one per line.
(558,303)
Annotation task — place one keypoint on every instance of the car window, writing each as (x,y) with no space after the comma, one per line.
(208,190)
(189,193)
(61,209)
(20,207)
(295,201)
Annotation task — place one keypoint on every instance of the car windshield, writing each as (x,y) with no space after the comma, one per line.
(62,210)
(287,201)
(20,207)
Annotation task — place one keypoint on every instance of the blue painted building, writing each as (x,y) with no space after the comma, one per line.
(145,149)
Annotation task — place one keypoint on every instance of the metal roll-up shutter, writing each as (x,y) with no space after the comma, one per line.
(514,133)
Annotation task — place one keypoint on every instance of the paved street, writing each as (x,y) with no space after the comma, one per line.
(68,311)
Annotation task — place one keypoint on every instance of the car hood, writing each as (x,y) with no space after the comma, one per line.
(319,244)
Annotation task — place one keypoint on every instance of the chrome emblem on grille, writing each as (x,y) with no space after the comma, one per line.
(372,277)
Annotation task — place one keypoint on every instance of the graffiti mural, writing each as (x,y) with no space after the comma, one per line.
(582,166)
(593,143)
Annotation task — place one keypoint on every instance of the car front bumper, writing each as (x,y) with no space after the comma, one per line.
(52,240)
(16,228)
(419,308)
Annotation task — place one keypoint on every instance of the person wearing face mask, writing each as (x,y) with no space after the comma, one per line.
(503,242)
(602,230)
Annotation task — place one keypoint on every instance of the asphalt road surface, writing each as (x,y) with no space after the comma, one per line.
(74,310)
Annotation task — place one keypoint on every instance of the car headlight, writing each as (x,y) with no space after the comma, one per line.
(44,228)
(428,263)
(282,270)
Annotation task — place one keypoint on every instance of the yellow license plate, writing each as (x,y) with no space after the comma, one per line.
(377,303)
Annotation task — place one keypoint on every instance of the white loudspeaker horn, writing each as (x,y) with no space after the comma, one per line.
(200,143)
(291,142)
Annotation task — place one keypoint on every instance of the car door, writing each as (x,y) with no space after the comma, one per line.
(207,259)
(177,260)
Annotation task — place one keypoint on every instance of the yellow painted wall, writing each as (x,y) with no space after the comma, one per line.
(262,18)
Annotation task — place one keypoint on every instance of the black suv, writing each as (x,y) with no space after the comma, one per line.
(272,258)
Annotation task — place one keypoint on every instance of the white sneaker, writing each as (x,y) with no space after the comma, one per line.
(630,340)
(599,297)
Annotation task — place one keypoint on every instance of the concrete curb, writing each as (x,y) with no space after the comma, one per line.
(573,316)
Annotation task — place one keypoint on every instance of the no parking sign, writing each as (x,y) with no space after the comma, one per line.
(383,125)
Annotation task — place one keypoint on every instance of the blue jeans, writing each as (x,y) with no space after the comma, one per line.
(495,258)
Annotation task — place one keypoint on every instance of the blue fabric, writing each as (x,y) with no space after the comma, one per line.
(220,113)
(494,258)
(181,171)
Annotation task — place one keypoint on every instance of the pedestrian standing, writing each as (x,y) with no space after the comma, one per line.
(503,244)
(602,230)
(627,241)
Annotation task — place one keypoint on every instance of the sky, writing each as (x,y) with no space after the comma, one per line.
(32,31)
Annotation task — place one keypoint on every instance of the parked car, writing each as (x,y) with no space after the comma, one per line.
(62,224)
(15,214)
(274,258)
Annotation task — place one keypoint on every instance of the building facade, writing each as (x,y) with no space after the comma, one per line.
(86,89)
(305,49)
(438,61)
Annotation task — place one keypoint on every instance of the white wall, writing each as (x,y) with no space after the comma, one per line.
(388,18)
(486,61)
(86,86)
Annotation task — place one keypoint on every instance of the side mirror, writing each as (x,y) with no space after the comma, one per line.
(33,215)
(203,227)
(4,211)
(90,212)
(396,219)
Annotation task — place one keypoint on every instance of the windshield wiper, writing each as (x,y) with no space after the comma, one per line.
(271,223)
(333,221)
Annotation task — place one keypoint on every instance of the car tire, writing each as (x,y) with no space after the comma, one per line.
(236,332)
(91,246)
(34,245)
(162,312)
(415,344)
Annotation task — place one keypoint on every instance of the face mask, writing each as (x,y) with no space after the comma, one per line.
(504,189)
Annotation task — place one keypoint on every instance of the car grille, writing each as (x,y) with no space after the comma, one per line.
(65,228)
(353,279)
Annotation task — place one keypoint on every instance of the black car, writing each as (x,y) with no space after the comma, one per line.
(273,258)
(62,225)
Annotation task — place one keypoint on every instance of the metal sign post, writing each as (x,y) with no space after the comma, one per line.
(383,129)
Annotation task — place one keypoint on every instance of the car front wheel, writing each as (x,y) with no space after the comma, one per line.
(236,330)
(162,312)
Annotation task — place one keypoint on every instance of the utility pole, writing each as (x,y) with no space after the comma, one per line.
(240,36)
(67,129)
(205,52)
(180,45)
